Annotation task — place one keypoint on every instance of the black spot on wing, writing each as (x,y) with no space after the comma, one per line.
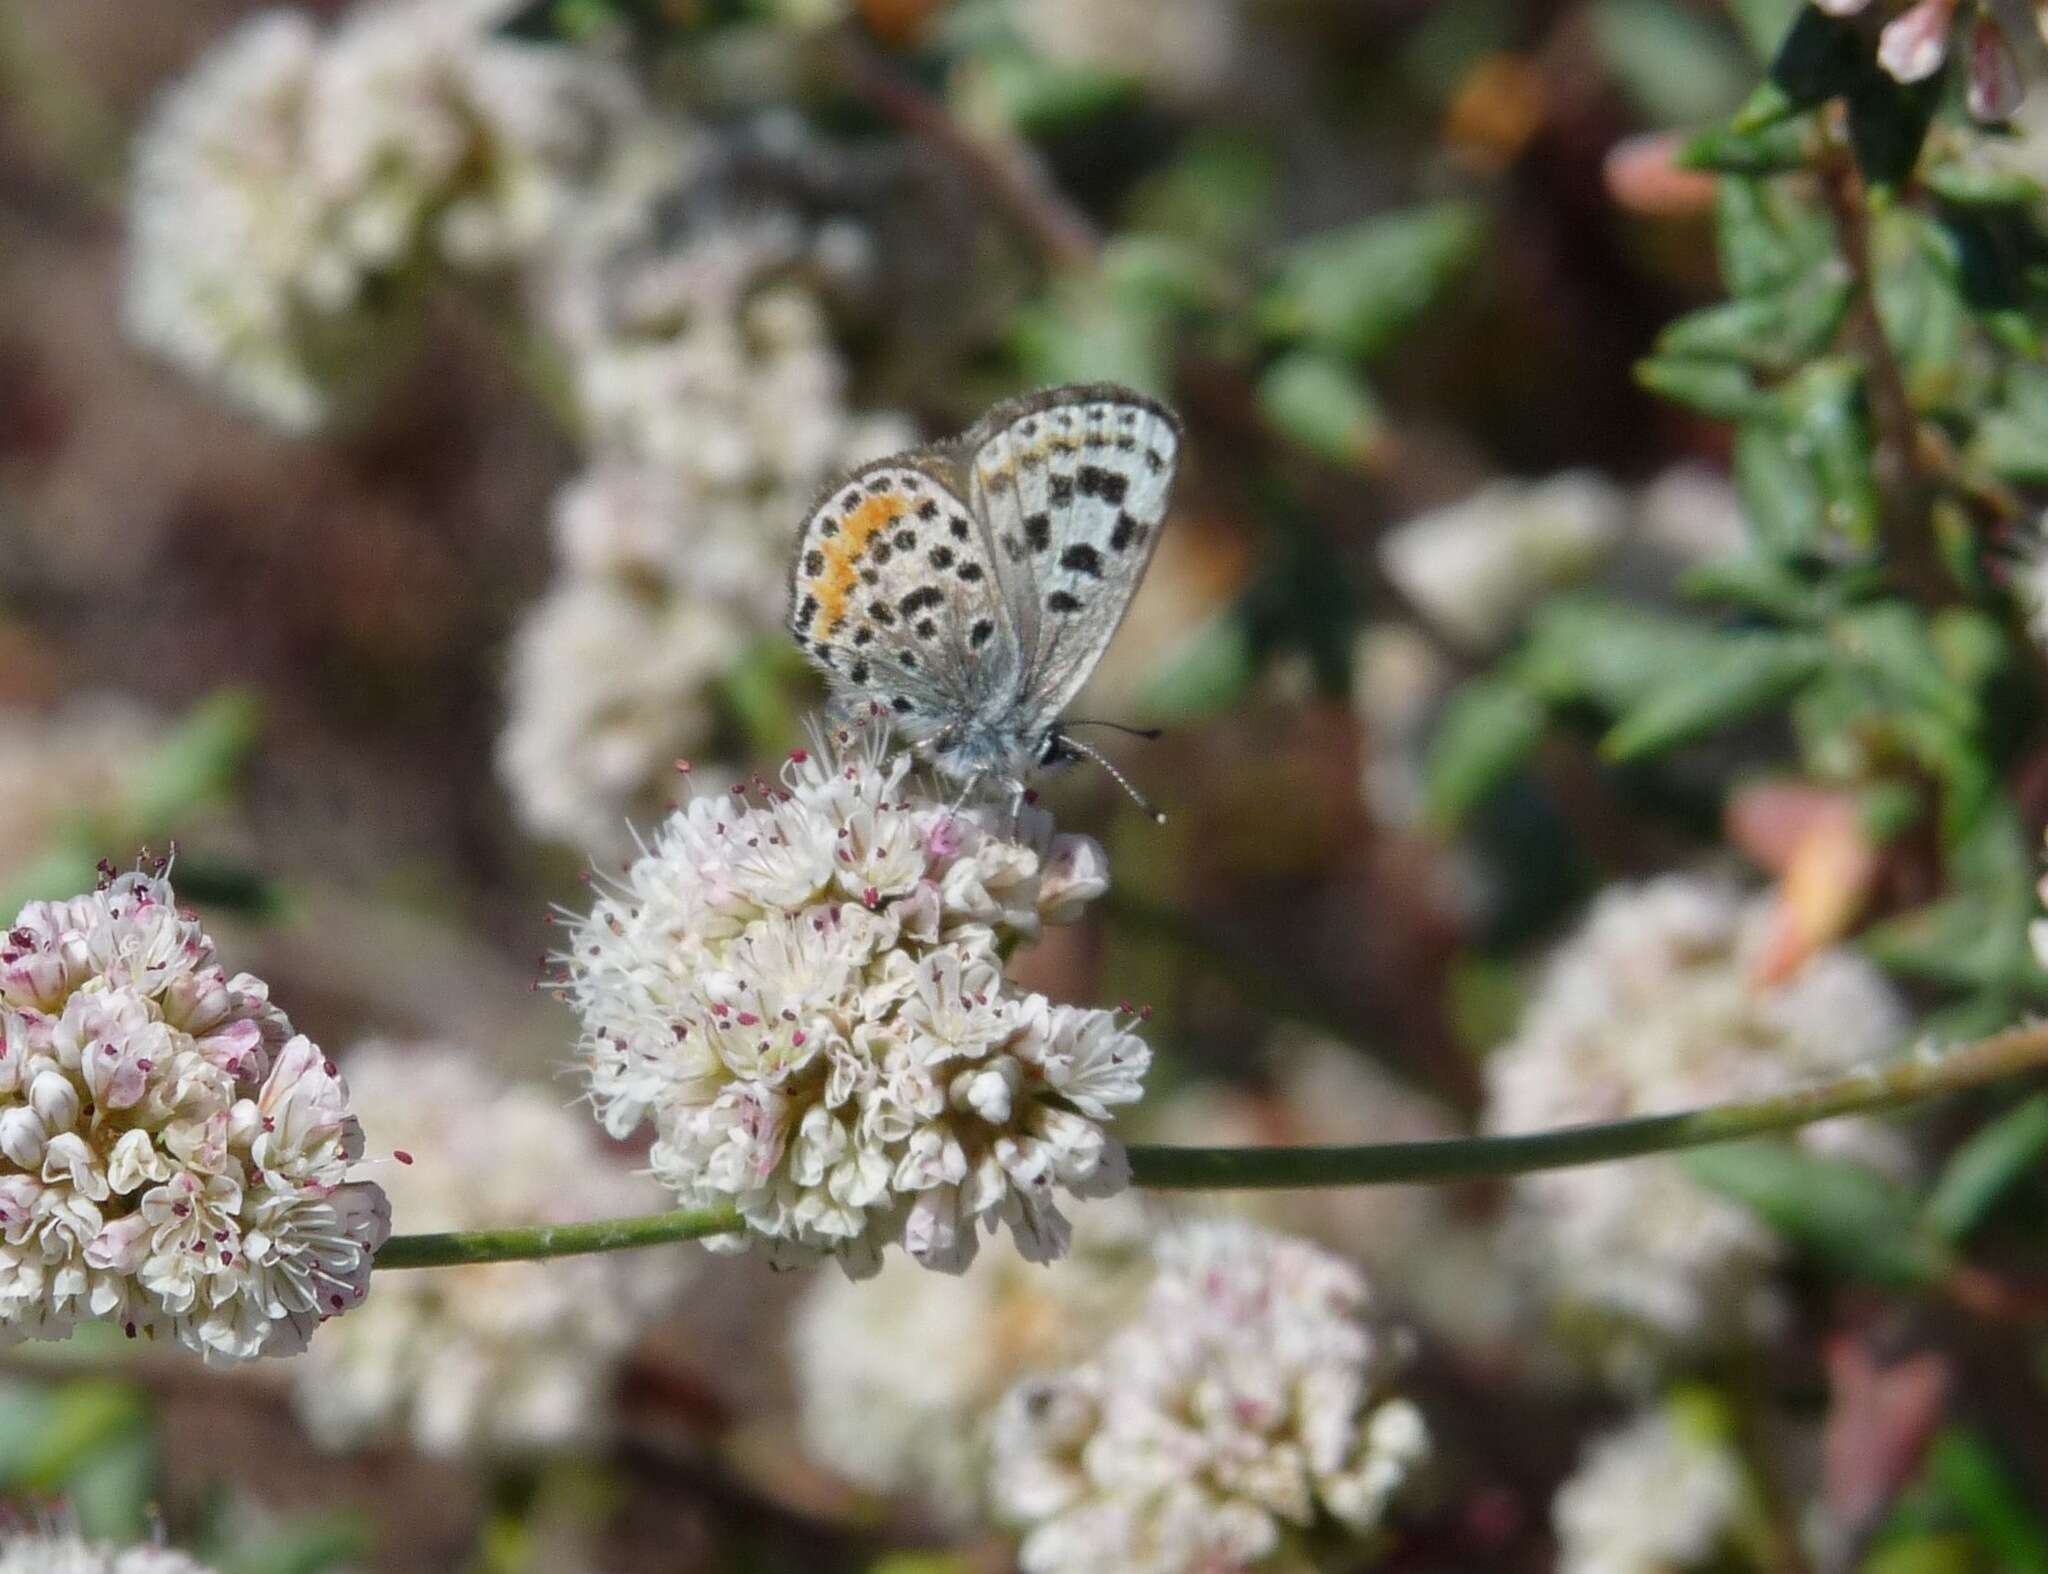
(957,526)
(928,510)
(1061,601)
(1062,490)
(1094,481)
(970,573)
(983,631)
(940,557)
(1127,533)
(920,598)
(814,562)
(1038,531)
(1081,558)
(927,629)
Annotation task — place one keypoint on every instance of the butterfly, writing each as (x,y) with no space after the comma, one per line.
(970,588)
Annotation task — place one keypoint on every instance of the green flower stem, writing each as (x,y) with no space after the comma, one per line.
(517,1243)
(1914,1081)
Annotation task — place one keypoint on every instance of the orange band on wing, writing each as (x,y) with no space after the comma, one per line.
(843,554)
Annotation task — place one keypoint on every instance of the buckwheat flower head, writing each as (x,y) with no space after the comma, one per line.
(1475,567)
(492,1358)
(897,1377)
(173,1159)
(1660,1492)
(802,988)
(1246,1406)
(295,190)
(60,1552)
(1655,1005)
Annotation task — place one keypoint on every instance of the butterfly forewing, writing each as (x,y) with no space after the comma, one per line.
(1072,485)
(893,597)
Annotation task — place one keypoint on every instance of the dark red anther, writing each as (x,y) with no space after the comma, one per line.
(401,1155)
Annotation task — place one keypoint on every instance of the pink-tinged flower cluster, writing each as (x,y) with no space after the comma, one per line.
(173,1158)
(1245,1411)
(1915,42)
(801,985)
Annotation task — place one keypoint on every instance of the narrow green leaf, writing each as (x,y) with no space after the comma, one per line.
(1978,186)
(1780,497)
(1771,149)
(1982,1169)
(1822,57)
(1715,388)
(1738,676)
(1611,653)
(1354,290)
(1204,676)
(1964,1467)
(1490,727)
(1317,401)
(1769,234)
(1829,415)
(1752,581)
(197,763)
(1850,1217)
(1681,66)
(1888,123)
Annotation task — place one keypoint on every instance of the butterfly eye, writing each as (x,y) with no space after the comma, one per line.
(1053,751)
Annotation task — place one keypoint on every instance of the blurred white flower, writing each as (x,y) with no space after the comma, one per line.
(1655,1005)
(1247,1403)
(609,686)
(294,191)
(1181,48)
(1441,1266)
(896,1377)
(1474,568)
(1658,1495)
(802,987)
(1399,682)
(172,1159)
(62,1552)
(705,374)
(76,763)
(492,1358)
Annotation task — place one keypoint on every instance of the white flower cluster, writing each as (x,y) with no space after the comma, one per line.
(492,1358)
(896,1377)
(172,1158)
(1475,567)
(803,988)
(60,1552)
(1245,1407)
(1181,48)
(716,404)
(1654,1006)
(294,191)
(1659,1493)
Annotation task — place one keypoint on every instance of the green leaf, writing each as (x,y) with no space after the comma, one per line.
(1774,332)
(1491,725)
(1775,148)
(2012,439)
(1753,581)
(1980,1171)
(1716,388)
(114,1489)
(1888,124)
(1769,235)
(1979,186)
(1677,64)
(1737,676)
(197,763)
(1037,95)
(1821,58)
(1846,1215)
(1317,401)
(1354,290)
(1610,653)
(1829,419)
(1919,301)
(1925,1554)
(1204,676)
(1780,497)
(85,1418)
(1964,1467)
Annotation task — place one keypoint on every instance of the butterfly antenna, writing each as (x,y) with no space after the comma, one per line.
(1117,776)
(1149,734)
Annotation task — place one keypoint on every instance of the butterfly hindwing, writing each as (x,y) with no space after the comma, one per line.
(1072,484)
(893,597)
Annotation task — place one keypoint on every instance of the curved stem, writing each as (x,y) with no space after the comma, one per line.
(1926,1076)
